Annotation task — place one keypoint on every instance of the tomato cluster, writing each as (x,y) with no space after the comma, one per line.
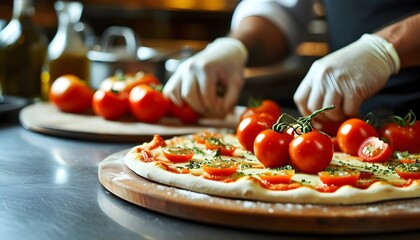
(379,144)
(138,95)
(286,141)
(308,152)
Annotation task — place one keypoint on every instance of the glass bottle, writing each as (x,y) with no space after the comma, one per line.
(67,52)
(23,47)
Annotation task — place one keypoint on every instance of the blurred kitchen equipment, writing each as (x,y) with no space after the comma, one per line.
(67,52)
(23,46)
(128,56)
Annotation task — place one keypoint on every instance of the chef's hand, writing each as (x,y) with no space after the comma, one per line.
(210,81)
(347,77)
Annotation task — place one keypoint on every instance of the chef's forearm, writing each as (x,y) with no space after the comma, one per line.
(264,41)
(404,36)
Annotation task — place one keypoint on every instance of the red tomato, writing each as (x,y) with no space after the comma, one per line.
(276,177)
(178,154)
(148,104)
(214,143)
(267,106)
(352,133)
(311,152)
(335,144)
(272,148)
(328,127)
(402,138)
(339,177)
(373,149)
(149,79)
(249,127)
(70,94)
(408,171)
(220,167)
(184,113)
(110,105)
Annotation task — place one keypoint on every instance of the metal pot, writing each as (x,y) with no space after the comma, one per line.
(109,57)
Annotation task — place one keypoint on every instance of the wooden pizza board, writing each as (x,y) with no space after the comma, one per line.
(380,217)
(44,117)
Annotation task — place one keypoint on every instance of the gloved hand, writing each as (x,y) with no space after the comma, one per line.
(347,77)
(210,81)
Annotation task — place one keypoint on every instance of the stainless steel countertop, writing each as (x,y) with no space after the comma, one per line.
(49,189)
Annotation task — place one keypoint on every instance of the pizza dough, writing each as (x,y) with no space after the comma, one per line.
(245,184)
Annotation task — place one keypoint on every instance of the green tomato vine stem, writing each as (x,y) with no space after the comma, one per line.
(300,125)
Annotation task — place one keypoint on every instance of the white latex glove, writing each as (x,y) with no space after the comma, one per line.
(199,80)
(345,78)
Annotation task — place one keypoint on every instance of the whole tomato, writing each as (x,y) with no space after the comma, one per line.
(352,133)
(249,127)
(267,106)
(185,113)
(328,127)
(70,94)
(109,104)
(147,104)
(402,135)
(311,152)
(272,148)
(150,79)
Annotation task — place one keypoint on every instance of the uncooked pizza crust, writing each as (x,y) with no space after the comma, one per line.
(249,188)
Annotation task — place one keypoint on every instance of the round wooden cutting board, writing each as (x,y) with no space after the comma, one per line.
(43,117)
(380,217)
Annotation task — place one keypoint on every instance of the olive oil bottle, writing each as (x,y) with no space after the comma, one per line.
(67,52)
(23,46)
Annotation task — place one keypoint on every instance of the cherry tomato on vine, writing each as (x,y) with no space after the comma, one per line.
(184,113)
(220,167)
(267,106)
(249,127)
(408,171)
(402,135)
(178,154)
(149,79)
(352,133)
(148,104)
(272,148)
(339,177)
(70,94)
(328,127)
(110,105)
(335,144)
(373,149)
(311,152)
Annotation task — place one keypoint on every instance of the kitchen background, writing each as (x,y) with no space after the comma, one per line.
(193,23)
